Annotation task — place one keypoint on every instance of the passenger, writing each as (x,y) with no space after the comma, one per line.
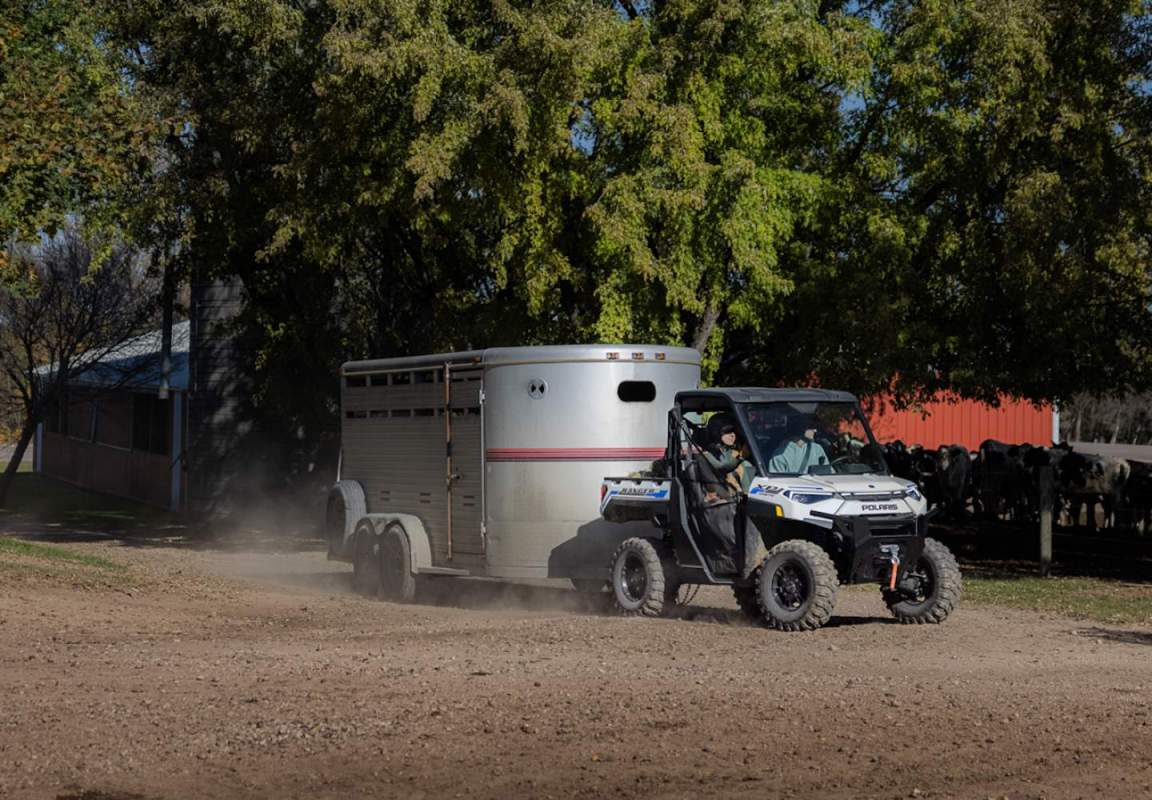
(726,457)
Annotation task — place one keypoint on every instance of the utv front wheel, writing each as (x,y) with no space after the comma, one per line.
(796,586)
(638,580)
(935,588)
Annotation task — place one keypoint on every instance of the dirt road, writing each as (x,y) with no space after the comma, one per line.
(225,675)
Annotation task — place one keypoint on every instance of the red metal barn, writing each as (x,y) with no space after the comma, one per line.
(963,422)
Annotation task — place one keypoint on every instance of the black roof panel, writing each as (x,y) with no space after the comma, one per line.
(760,395)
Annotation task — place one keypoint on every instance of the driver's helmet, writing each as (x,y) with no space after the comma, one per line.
(721,424)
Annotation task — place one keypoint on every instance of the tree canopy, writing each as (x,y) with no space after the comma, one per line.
(944,194)
(75,137)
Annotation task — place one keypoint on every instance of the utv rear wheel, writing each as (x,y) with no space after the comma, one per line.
(796,586)
(638,580)
(938,588)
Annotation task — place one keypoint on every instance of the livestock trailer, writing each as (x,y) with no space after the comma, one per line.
(488,463)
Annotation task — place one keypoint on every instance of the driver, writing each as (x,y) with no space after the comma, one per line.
(726,457)
(798,452)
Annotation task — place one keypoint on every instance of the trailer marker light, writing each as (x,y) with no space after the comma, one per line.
(659,356)
(613,356)
(637,356)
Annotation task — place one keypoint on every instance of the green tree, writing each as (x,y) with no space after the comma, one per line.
(952,192)
(993,234)
(74,137)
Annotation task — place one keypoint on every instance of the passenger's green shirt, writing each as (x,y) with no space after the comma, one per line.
(796,456)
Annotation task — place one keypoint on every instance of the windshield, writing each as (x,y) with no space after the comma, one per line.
(813,439)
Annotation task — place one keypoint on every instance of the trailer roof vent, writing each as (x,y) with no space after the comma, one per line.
(636,391)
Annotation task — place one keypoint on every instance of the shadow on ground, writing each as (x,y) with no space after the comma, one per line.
(1120,636)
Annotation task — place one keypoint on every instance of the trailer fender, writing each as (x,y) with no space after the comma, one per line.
(346,507)
(418,541)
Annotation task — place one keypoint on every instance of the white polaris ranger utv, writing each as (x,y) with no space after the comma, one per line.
(820,509)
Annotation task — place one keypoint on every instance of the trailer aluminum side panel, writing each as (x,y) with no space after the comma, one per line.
(532,430)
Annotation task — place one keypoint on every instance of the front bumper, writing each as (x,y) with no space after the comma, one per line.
(868,544)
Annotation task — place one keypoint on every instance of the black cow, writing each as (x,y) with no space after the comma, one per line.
(954,478)
(1138,495)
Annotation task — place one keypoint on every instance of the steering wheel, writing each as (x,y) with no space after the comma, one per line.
(841,461)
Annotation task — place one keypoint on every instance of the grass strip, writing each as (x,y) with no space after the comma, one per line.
(1096,599)
(18,547)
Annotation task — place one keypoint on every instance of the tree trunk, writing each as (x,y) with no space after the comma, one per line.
(1116,426)
(1079,417)
(705,328)
(21,447)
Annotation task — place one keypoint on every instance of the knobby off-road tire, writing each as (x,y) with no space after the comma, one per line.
(639,579)
(749,605)
(796,586)
(939,596)
(397,583)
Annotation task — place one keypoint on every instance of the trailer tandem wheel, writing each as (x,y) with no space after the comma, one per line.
(346,506)
(397,583)
(365,560)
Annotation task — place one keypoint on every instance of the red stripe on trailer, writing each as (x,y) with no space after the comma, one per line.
(574,453)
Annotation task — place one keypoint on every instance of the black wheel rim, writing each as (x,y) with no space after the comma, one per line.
(790,585)
(925,579)
(633,578)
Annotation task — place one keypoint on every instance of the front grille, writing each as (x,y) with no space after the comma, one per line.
(871,498)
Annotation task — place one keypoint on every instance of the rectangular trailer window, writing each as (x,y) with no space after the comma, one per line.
(378,380)
(355,381)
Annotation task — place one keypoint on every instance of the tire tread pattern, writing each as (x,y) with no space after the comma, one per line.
(826,585)
(655,597)
(949,587)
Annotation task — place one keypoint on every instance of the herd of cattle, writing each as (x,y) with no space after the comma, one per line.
(1003,481)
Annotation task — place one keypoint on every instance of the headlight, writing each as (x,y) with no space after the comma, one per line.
(809,499)
(914,493)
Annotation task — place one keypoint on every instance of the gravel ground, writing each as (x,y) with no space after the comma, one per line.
(234,675)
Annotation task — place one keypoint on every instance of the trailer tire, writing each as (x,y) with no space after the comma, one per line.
(397,583)
(796,586)
(638,580)
(346,507)
(940,571)
(365,561)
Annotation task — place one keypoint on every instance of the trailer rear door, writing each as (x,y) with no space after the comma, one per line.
(465,436)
